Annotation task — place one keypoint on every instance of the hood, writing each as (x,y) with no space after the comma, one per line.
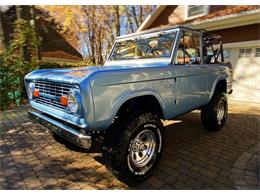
(76,75)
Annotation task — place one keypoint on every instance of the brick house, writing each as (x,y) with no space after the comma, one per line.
(56,45)
(240,28)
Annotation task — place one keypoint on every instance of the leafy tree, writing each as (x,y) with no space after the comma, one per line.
(14,67)
(94,27)
(24,39)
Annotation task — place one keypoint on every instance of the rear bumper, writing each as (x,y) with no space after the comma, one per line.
(67,132)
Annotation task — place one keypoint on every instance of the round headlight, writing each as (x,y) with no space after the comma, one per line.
(73,104)
(30,90)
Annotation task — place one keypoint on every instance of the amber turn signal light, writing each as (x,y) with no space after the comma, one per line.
(36,93)
(64,100)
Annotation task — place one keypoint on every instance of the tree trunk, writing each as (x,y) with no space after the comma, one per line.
(34,24)
(2,38)
(98,45)
(135,16)
(92,45)
(140,15)
(92,48)
(129,19)
(22,13)
(117,19)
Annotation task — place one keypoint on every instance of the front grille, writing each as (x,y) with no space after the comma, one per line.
(50,93)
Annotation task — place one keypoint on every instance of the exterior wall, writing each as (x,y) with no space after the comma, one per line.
(50,35)
(246,71)
(241,33)
(174,14)
(246,75)
(162,19)
(178,15)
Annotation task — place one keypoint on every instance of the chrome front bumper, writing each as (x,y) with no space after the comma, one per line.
(63,130)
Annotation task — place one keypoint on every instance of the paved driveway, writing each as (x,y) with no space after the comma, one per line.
(30,158)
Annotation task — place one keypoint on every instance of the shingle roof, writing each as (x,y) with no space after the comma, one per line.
(60,55)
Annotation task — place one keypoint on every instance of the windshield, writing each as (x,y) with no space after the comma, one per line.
(157,46)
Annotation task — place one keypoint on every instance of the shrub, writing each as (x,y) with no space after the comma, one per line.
(14,66)
(12,72)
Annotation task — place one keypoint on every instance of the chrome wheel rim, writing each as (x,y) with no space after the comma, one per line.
(220,111)
(143,148)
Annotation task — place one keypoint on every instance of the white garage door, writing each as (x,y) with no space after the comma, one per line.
(246,72)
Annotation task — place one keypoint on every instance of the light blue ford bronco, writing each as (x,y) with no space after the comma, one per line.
(148,77)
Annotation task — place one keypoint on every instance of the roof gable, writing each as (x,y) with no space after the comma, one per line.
(175,15)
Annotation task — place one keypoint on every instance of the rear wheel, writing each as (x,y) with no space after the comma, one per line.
(133,151)
(214,114)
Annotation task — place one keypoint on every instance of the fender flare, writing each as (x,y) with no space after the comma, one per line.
(133,94)
(220,78)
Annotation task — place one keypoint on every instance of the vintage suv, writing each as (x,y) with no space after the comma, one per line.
(148,77)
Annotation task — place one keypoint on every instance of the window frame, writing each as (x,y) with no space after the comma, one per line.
(132,47)
(244,56)
(146,35)
(206,11)
(181,33)
(257,52)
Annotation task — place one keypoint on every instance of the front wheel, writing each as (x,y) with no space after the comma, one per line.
(214,114)
(133,153)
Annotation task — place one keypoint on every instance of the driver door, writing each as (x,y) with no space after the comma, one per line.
(191,79)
